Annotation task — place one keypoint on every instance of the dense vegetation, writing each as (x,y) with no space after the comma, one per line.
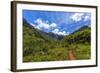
(41,46)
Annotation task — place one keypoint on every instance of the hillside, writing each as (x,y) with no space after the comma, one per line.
(80,42)
(42,46)
(82,35)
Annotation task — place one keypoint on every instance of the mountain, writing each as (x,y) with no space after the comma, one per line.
(42,33)
(42,46)
(33,40)
(81,35)
(81,29)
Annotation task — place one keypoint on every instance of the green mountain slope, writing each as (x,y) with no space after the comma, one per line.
(42,46)
(82,35)
(80,42)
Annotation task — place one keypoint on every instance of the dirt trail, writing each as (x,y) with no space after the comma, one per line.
(71,55)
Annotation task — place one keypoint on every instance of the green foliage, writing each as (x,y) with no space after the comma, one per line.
(80,36)
(40,46)
(83,52)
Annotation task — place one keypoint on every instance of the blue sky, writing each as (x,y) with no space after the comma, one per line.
(61,23)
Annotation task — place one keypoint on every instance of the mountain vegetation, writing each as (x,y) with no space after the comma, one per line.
(41,46)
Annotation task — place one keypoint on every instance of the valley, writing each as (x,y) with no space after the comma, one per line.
(41,46)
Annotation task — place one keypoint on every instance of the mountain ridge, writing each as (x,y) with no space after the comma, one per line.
(42,33)
(41,46)
(53,35)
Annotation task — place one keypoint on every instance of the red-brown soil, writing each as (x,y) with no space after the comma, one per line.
(71,55)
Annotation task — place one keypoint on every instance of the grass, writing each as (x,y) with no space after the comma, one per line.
(54,54)
(84,51)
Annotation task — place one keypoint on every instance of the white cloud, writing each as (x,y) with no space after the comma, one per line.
(42,24)
(62,33)
(53,25)
(56,31)
(38,21)
(77,16)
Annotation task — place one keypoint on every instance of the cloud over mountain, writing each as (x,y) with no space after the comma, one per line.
(61,23)
(57,31)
